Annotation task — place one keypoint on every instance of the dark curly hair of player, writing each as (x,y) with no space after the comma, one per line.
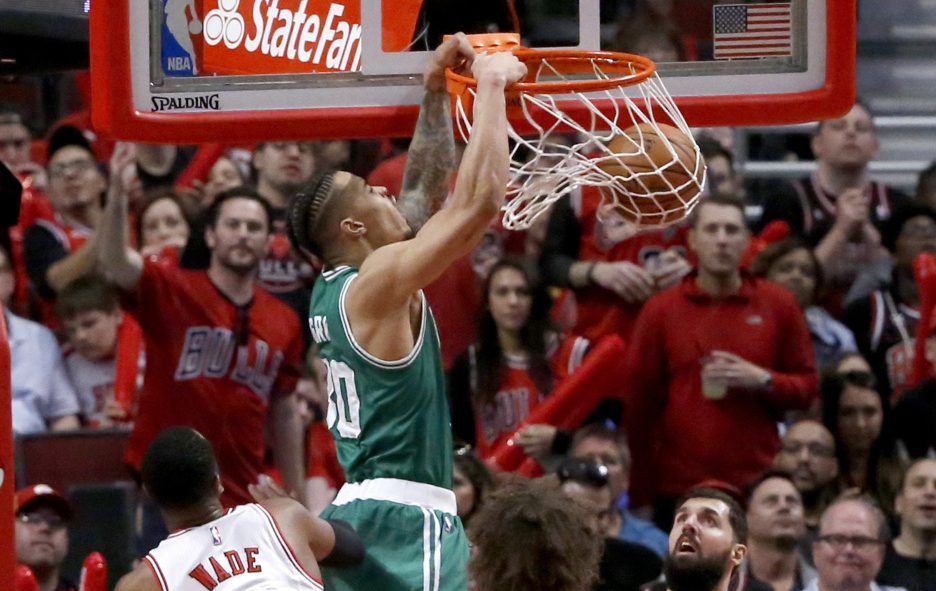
(529,535)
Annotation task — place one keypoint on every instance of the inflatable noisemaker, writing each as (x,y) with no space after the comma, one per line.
(924,271)
(571,402)
(24,579)
(127,365)
(93,573)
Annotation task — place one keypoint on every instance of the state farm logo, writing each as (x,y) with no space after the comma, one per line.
(224,22)
(319,34)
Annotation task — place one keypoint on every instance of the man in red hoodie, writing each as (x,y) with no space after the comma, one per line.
(713,364)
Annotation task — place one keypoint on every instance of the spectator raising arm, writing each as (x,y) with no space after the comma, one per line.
(115,259)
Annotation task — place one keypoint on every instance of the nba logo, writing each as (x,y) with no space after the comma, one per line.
(215,536)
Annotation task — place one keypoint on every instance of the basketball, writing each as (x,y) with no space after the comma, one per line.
(657,174)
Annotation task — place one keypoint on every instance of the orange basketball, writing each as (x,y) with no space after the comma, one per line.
(656,179)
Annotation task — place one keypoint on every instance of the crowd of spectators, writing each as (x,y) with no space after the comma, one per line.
(779,371)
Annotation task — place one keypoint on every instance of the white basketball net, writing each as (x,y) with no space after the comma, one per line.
(564,152)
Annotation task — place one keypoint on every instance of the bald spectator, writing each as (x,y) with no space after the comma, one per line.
(775,529)
(42,517)
(808,456)
(910,561)
(849,551)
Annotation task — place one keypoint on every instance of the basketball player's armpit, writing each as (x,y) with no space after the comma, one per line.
(349,549)
(430,161)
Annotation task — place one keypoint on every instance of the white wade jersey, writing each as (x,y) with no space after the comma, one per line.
(243,550)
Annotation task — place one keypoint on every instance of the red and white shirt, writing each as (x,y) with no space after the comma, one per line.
(243,550)
(214,366)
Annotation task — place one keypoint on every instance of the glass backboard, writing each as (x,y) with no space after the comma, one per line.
(240,70)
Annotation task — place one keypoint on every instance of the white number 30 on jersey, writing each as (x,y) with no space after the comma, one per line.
(344,406)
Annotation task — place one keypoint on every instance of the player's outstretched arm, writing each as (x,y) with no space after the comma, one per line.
(140,578)
(430,160)
(115,259)
(394,272)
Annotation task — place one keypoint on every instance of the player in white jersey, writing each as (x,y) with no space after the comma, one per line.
(275,544)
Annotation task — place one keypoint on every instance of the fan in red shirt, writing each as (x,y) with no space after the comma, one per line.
(517,362)
(712,366)
(223,355)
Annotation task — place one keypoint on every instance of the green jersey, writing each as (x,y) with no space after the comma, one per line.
(390,419)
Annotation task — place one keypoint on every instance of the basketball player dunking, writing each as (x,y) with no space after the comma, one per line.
(387,403)
(273,544)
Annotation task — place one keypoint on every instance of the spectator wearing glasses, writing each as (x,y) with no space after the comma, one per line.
(61,249)
(849,551)
(15,149)
(910,560)
(625,566)
(42,517)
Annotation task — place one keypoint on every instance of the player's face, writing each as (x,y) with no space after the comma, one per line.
(916,503)
(285,165)
(796,271)
(775,512)
(41,538)
(163,224)
(241,236)
(74,179)
(808,456)
(509,299)
(859,418)
(93,333)
(14,145)
(719,238)
(377,210)
(849,141)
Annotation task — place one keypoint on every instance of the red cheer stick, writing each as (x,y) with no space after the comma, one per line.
(24,579)
(127,364)
(93,573)
(924,271)
(572,401)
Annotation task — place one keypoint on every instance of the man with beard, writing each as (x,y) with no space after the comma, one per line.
(775,528)
(853,533)
(808,456)
(223,355)
(707,542)
(910,561)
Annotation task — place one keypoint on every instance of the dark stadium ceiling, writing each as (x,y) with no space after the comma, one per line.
(41,36)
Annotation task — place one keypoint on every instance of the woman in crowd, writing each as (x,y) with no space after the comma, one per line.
(792,264)
(473,483)
(518,360)
(163,225)
(858,416)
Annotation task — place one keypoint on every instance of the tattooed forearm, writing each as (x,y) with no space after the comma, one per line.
(430,162)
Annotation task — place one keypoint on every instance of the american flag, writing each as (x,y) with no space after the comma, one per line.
(745,31)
